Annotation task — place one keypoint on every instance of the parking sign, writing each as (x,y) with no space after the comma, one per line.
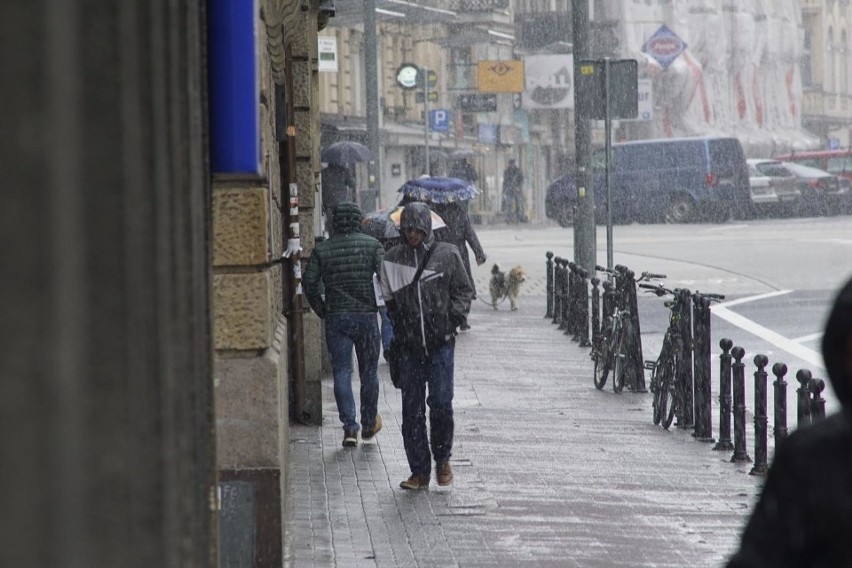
(439,120)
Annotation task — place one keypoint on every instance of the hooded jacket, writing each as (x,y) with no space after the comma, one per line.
(424,314)
(804,515)
(344,264)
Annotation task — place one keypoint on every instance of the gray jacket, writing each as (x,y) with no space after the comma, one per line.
(425,314)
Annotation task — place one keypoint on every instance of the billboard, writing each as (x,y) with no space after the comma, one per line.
(501,76)
(549,81)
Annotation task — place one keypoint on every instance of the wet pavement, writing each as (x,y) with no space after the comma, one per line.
(548,470)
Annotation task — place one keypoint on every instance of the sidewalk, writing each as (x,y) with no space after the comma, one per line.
(548,470)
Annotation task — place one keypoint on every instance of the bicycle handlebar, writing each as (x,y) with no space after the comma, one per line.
(710,296)
(600,268)
(657,289)
(652,275)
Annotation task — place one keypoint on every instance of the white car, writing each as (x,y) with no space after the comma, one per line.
(772,183)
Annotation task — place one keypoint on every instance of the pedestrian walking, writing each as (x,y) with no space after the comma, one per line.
(460,232)
(428,296)
(462,169)
(343,266)
(803,515)
(338,186)
(514,204)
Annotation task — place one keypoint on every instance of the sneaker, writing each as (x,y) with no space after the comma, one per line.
(445,473)
(350,438)
(368,433)
(416,481)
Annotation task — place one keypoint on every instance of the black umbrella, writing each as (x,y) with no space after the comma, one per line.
(463,154)
(345,152)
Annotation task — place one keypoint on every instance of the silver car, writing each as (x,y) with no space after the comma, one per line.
(771,183)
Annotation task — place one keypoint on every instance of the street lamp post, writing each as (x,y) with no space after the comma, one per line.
(424,71)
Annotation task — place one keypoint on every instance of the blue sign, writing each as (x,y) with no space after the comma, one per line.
(439,120)
(664,46)
(234,87)
(834,143)
(487,133)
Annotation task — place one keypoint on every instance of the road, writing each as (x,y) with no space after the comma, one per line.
(779,277)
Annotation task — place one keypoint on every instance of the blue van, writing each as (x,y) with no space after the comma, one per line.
(674,180)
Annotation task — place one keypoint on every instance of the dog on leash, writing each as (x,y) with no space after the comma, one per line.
(503,285)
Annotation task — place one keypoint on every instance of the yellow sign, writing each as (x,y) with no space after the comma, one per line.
(501,76)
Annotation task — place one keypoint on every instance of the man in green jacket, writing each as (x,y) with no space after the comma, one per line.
(343,265)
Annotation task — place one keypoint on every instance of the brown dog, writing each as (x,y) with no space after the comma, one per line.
(504,285)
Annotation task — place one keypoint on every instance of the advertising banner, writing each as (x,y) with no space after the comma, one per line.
(549,81)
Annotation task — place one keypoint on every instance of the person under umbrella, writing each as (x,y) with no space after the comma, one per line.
(459,231)
(338,186)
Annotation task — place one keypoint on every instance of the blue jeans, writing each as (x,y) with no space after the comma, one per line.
(342,332)
(436,371)
(387,329)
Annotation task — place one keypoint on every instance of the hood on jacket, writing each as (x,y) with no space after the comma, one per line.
(346,218)
(418,216)
(837,345)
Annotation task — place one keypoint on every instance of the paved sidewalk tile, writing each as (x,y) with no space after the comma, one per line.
(548,471)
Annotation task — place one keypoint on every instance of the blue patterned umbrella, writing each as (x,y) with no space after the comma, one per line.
(438,190)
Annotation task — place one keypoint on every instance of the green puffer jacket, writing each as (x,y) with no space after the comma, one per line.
(344,266)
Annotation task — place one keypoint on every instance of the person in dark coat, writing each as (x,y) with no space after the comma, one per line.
(343,266)
(804,514)
(338,186)
(425,312)
(514,204)
(460,232)
(463,170)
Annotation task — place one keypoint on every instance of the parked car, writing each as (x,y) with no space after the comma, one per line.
(837,162)
(675,180)
(560,200)
(822,192)
(771,184)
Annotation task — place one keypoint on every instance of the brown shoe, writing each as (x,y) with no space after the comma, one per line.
(368,433)
(416,481)
(350,438)
(445,473)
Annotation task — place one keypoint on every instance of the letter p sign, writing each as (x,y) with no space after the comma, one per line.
(439,120)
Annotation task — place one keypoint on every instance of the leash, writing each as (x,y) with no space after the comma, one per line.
(503,299)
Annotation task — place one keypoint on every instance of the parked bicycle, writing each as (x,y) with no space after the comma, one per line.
(671,373)
(609,351)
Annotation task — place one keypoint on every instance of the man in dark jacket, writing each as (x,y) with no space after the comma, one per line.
(425,310)
(804,514)
(514,204)
(460,232)
(344,266)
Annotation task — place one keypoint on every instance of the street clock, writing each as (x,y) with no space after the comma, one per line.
(406,76)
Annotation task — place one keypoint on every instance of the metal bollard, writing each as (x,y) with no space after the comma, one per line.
(596,310)
(549,276)
(803,406)
(701,370)
(816,386)
(740,452)
(566,294)
(780,428)
(583,307)
(686,366)
(574,291)
(724,442)
(761,465)
(557,291)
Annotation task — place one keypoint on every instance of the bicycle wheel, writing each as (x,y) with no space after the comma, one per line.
(601,357)
(668,391)
(619,360)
